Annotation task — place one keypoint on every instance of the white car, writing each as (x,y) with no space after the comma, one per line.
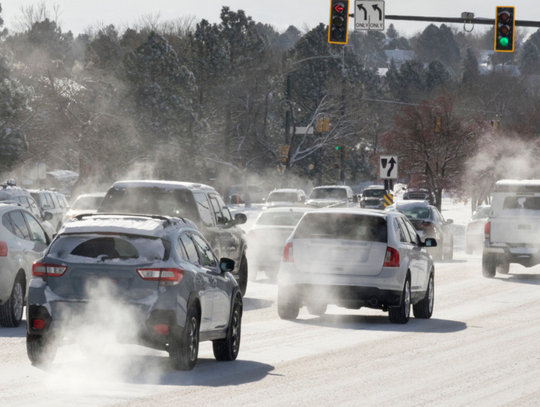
(85,203)
(356,258)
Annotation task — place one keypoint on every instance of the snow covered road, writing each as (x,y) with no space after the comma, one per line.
(480,348)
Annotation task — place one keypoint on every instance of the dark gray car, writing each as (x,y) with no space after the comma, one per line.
(152,281)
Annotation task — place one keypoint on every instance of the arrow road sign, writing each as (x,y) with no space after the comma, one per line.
(369,15)
(389,167)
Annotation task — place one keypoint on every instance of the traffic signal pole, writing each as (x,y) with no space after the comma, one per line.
(481,21)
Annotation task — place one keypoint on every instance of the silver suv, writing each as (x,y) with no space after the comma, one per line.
(22,241)
(148,280)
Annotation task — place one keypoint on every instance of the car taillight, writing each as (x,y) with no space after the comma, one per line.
(47,270)
(487,231)
(165,276)
(424,225)
(392,258)
(38,324)
(3,249)
(288,253)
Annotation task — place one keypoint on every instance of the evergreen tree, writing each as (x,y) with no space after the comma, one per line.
(470,68)
(391,32)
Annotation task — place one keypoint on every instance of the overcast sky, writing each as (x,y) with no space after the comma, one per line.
(76,15)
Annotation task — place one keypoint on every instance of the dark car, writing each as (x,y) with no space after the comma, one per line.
(373,197)
(147,280)
(417,194)
(429,222)
(197,202)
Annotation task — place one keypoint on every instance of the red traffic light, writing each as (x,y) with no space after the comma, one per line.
(504,16)
(339,8)
(336,166)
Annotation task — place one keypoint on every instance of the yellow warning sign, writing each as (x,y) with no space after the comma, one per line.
(388,200)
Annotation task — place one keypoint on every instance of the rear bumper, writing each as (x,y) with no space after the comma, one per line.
(527,255)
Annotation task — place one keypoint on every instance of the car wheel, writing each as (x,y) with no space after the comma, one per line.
(11,312)
(288,307)
(424,308)
(183,353)
(503,267)
(400,315)
(489,265)
(227,349)
(243,275)
(40,352)
(317,309)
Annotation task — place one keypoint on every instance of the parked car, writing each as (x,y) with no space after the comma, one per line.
(333,195)
(160,268)
(511,231)
(85,203)
(429,222)
(197,202)
(47,201)
(373,197)
(267,238)
(417,194)
(11,193)
(237,194)
(474,234)
(356,258)
(280,197)
(22,241)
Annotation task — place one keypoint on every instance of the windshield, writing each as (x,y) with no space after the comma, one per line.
(279,218)
(342,226)
(328,193)
(96,246)
(87,202)
(481,213)
(150,201)
(373,193)
(415,212)
(282,197)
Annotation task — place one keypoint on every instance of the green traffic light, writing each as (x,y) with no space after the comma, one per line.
(503,42)
(337,147)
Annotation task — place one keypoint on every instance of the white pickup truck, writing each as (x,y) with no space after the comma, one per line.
(512,230)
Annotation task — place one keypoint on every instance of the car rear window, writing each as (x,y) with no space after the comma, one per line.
(282,197)
(373,193)
(328,193)
(109,247)
(150,201)
(87,202)
(416,212)
(521,202)
(342,226)
(279,218)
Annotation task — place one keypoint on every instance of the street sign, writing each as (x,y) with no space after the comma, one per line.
(369,15)
(388,199)
(389,166)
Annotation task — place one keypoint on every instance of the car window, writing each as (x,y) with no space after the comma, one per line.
(282,197)
(50,200)
(438,215)
(285,218)
(344,226)
(60,202)
(415,212)
(191,251)
(87,203)
(205,252)
(328,193)
(220,209)
(6,222)
(33,207)
(19,225)
(412,231)
(204,209)
(403,234)
(373,193)
(38,234)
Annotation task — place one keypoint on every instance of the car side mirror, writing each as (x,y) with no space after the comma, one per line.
(46,207)
(226,265)
(430,242)
(240,219)
(47,215)
(449,221)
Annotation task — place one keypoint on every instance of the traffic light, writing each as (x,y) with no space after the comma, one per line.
(320,124)
(326,124)
(505,23)
(338,28)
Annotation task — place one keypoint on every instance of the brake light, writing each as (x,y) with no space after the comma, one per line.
(288,253)
(38,324)
(424,225)
(391,259)
(47,270)
(487,231)
(3,249)
(161,329)
(165,276)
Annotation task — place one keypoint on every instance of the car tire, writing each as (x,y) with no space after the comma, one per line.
(489,264)
(401,314)
(424,308)
(39,350)
(11,312)
(227,349)
(288,307)
(503,267)
(184,351)
(317,309)
(243,275)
